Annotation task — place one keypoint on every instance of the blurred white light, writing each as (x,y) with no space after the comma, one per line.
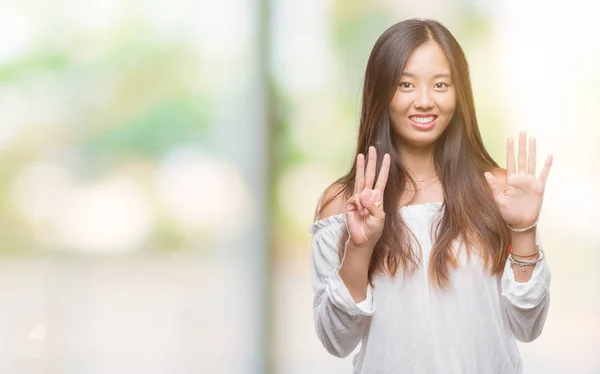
(39,191)
(38,332)
(203,193)
(582,204)
(303,59)
(96,15)
(224,28)
(15,31)
(111,216)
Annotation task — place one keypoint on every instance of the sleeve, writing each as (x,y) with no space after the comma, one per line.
(339,321)
(526,304)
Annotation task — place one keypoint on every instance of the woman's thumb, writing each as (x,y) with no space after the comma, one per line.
(374,209)
(491,181)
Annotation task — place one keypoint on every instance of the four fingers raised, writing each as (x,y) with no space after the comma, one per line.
(527,159)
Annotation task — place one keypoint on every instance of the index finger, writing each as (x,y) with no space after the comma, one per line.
(510,156)
(384,172)
(359,179)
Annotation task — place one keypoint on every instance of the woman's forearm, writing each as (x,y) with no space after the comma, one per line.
(354,270)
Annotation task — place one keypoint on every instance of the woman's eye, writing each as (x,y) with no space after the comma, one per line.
(441,85)
(405,85)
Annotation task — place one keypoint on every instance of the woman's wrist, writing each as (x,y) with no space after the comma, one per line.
(523,225)
(355,280)
(523,243)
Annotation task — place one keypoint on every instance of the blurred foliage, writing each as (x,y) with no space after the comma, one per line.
(126,96)
(152,132)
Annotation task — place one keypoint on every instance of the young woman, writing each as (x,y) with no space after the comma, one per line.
(426,251)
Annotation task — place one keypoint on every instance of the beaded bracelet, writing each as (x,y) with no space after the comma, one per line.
(537,250)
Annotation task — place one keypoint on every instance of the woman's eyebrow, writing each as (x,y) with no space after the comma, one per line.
(441,75)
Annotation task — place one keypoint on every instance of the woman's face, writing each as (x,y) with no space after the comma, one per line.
(425,99)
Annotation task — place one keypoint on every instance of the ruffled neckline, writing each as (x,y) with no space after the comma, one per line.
(415,210)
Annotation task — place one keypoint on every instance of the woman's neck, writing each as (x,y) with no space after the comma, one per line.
(418,162)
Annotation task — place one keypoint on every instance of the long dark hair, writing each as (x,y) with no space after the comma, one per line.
(460,159)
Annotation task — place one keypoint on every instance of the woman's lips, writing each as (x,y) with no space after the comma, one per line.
(423,123)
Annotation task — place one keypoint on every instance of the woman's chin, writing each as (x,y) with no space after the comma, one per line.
(420,139)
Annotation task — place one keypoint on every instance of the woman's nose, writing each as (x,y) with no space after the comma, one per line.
(423,99)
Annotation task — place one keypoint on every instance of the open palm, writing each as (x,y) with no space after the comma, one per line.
(520,198)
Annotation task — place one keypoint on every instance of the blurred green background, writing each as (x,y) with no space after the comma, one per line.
(160,163)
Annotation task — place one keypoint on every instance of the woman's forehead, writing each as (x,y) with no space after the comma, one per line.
(427,60)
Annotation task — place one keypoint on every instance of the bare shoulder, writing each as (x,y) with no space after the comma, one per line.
(332,202)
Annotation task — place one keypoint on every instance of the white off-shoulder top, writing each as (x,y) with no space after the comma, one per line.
(406,325)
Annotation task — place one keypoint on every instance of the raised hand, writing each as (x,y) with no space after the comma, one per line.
(520,198)
(364,214)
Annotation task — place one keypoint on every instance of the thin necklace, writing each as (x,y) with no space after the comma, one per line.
(425,180)
(422,188)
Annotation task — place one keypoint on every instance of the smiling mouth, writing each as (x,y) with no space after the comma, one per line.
(423,120)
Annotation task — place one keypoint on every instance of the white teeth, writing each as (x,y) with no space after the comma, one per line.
(423,119)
